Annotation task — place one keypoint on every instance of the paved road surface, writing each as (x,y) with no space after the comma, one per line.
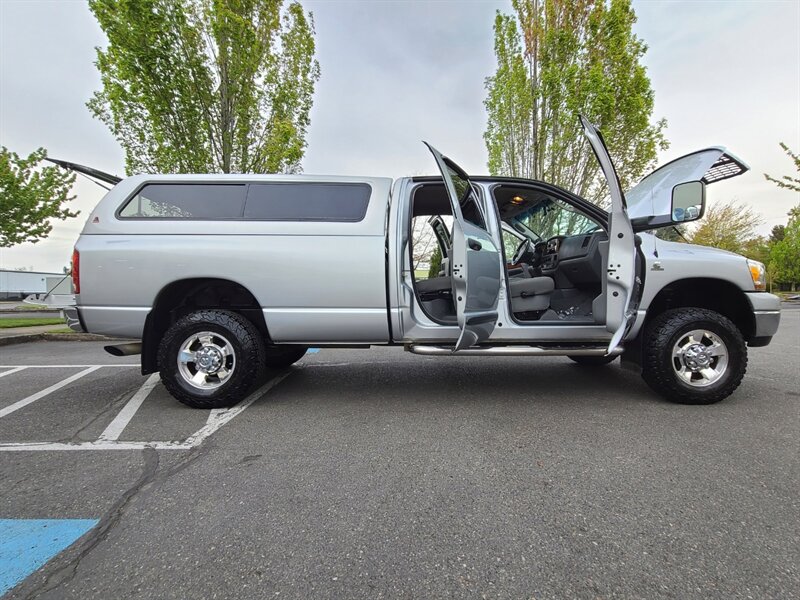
(379,474)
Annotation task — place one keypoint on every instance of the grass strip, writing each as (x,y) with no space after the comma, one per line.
(29,322)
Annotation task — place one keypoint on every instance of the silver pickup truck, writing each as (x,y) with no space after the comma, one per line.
(223,276)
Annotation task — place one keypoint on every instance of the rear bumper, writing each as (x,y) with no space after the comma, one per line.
(766,313)
(73,318)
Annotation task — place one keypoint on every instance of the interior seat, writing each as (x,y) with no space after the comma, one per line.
(434,284)
(530,293)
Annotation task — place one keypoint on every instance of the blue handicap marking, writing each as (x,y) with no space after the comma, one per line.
(312,350)
(27,544)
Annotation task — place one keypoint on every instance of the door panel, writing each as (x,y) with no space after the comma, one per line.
(475,260)
(621,263)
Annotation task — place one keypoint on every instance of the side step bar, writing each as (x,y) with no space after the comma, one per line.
(512,351)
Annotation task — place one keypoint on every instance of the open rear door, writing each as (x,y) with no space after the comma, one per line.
(621,262)
(474,259)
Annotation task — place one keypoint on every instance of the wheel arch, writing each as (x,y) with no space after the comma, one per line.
(710,293)
(183,296)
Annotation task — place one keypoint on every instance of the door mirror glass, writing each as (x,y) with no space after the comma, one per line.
(688,201)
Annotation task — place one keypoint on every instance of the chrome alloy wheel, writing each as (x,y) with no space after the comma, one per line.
(206,360)
(700,358)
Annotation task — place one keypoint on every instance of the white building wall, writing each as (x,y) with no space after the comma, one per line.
(16,284)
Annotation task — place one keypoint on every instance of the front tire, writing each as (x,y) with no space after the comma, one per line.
(693,356)
(211,358)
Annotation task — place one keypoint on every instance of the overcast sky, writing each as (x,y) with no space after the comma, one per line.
(393,73)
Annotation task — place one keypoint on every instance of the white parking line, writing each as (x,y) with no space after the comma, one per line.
(38,395)
(216,419)
(63,366)
(120,422)
(14,370)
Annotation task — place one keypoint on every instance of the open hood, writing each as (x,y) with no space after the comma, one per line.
(649,202)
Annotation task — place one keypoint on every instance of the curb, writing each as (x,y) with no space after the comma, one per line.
(56,337)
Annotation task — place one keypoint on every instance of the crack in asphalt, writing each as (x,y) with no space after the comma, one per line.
(113,406)
(100,531)
(65,573)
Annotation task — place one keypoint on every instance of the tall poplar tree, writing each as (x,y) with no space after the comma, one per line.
(206,86)
(559,58)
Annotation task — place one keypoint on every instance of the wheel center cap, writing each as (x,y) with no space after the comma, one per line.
(697,357)
(208,359)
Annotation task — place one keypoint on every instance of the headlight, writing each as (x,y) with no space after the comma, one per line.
(759,274)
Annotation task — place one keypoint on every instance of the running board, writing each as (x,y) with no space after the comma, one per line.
(512,351)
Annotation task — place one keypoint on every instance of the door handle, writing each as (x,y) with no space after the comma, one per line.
(474,244)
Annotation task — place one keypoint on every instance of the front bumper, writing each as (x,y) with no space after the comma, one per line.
(73,319)
(766,313)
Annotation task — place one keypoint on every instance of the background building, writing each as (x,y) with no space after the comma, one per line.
(15,285)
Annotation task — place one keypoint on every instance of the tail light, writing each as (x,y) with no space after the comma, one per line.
(76,272)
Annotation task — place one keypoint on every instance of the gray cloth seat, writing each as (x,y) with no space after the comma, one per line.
(530,293)
(434,285)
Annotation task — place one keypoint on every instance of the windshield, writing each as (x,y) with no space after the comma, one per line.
(540,216)
(553,218)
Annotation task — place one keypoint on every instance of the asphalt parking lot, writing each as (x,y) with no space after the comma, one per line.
(380,474)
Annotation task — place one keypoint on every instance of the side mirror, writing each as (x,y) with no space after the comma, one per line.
(688,201)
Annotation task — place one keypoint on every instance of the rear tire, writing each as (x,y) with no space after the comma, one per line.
(280,357)
(593,361)
(211,358)
(693,356)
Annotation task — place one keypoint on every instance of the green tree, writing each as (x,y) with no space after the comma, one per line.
(777,234)
(672,234)
(30,197)
(558,58)
(787,181)
(436,263)
(729,226)
(206,85)
(784,255)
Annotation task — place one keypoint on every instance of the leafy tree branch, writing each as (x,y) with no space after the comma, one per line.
(30,197)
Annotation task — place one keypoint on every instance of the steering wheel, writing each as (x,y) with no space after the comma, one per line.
(523,249)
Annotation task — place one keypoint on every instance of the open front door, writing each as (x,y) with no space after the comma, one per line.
(621,262)
(474,259)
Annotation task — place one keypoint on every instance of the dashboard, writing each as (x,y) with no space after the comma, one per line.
(576,257)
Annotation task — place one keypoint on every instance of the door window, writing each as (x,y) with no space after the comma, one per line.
(426,251)
(510,243)
(466,199)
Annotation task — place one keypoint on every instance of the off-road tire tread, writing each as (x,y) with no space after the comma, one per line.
(249,360)
(657,368)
